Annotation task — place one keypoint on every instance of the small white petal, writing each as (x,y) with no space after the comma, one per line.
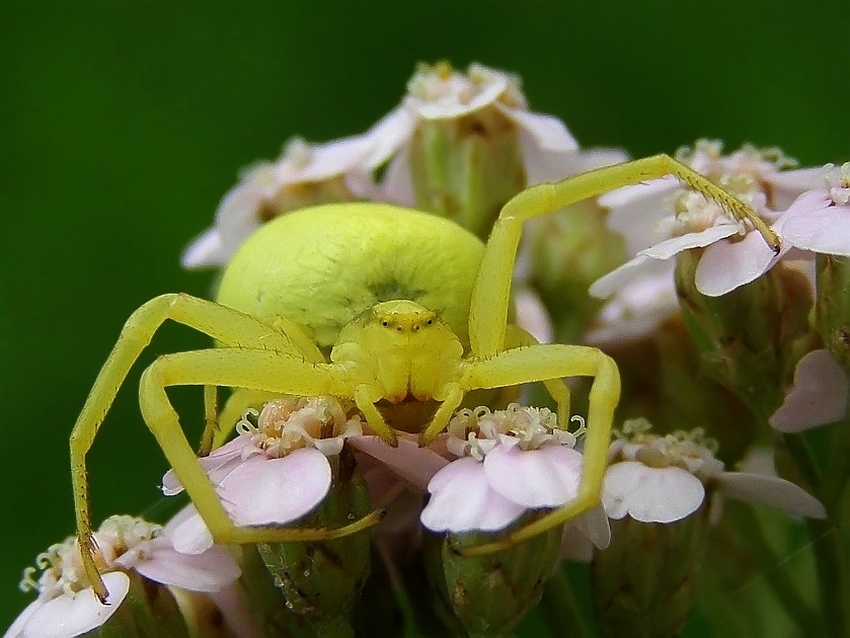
(650,495)
(388,135)
(204,251)
(818,395)
(190,535)
(266,491)
(594,526)
(335,158)
(770,490)
(451,106)
(410,462)
(670,247)
(637,211)
(727,265)
(206,572)
(17,628)
(547,477)
(826,231)
(639,267)
(463,501)
(549,132)
(787,185)
(397,185)
(66,616)
(531,314)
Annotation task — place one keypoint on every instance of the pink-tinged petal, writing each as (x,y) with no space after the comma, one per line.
(264,491)
(204,251)
(463,501)
(17,628)
(547,477)
(531,314)
(449,106)
(650,495)
(217,465)
(826,231)
(787,185)
(670,247)
(66,616)
(594,526)
(772,491)
(207,572)
(549,132)
(190,535)
(410,462)
(639,267)
(575,546)
(542,165)
(637,211)
(335,158)
(397,185)
(389,135)
(727,265)
(237,616)
(818,395)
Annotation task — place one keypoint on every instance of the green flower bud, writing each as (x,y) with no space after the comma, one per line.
(467,168)
(490,594)
(751,338)
(321,581)
(644,583)
(569,251)
(833,305)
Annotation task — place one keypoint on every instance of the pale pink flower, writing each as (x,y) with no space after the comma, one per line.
(67,605)
(661,219)
(819,221)
(275,471)
(663,479)
(549,150)
(266,188)
(511,461)
(818,395)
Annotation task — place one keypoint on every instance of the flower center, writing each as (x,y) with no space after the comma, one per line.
(838,182)
(62,567)
(692,451)
(476,432)
(292,423)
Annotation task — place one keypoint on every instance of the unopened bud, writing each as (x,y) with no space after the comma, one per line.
(833,305)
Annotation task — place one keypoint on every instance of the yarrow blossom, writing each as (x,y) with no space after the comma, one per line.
(663,479)
(304,175)
(819,221)
(661,219)
(67,605)
(275,471)
(510,461)
(439,93)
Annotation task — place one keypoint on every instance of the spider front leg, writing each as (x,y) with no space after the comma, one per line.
(255,369)
(491,293)
(546,362)
(228,326)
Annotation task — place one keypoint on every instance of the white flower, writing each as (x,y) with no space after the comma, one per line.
(512,461)
(548,149)
(818,395)
(304,175)
(274,472)
(819,221)
(661,219)
(636,309)
(662,479)
(67,605)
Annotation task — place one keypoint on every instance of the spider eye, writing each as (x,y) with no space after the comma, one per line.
(385,323)
(430,322)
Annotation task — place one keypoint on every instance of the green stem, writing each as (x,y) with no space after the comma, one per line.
(782,586)
(562,612)
(826,542)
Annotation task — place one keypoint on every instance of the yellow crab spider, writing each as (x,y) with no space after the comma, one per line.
(413,311)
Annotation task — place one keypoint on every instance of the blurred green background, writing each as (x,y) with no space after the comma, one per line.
(122,124)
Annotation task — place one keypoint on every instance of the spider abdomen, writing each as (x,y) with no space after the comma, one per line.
(321,267)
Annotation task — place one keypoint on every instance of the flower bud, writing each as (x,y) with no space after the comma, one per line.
(644,583)
(467,168)
(321,581)
(833,305)
(490,594)
(751,338)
